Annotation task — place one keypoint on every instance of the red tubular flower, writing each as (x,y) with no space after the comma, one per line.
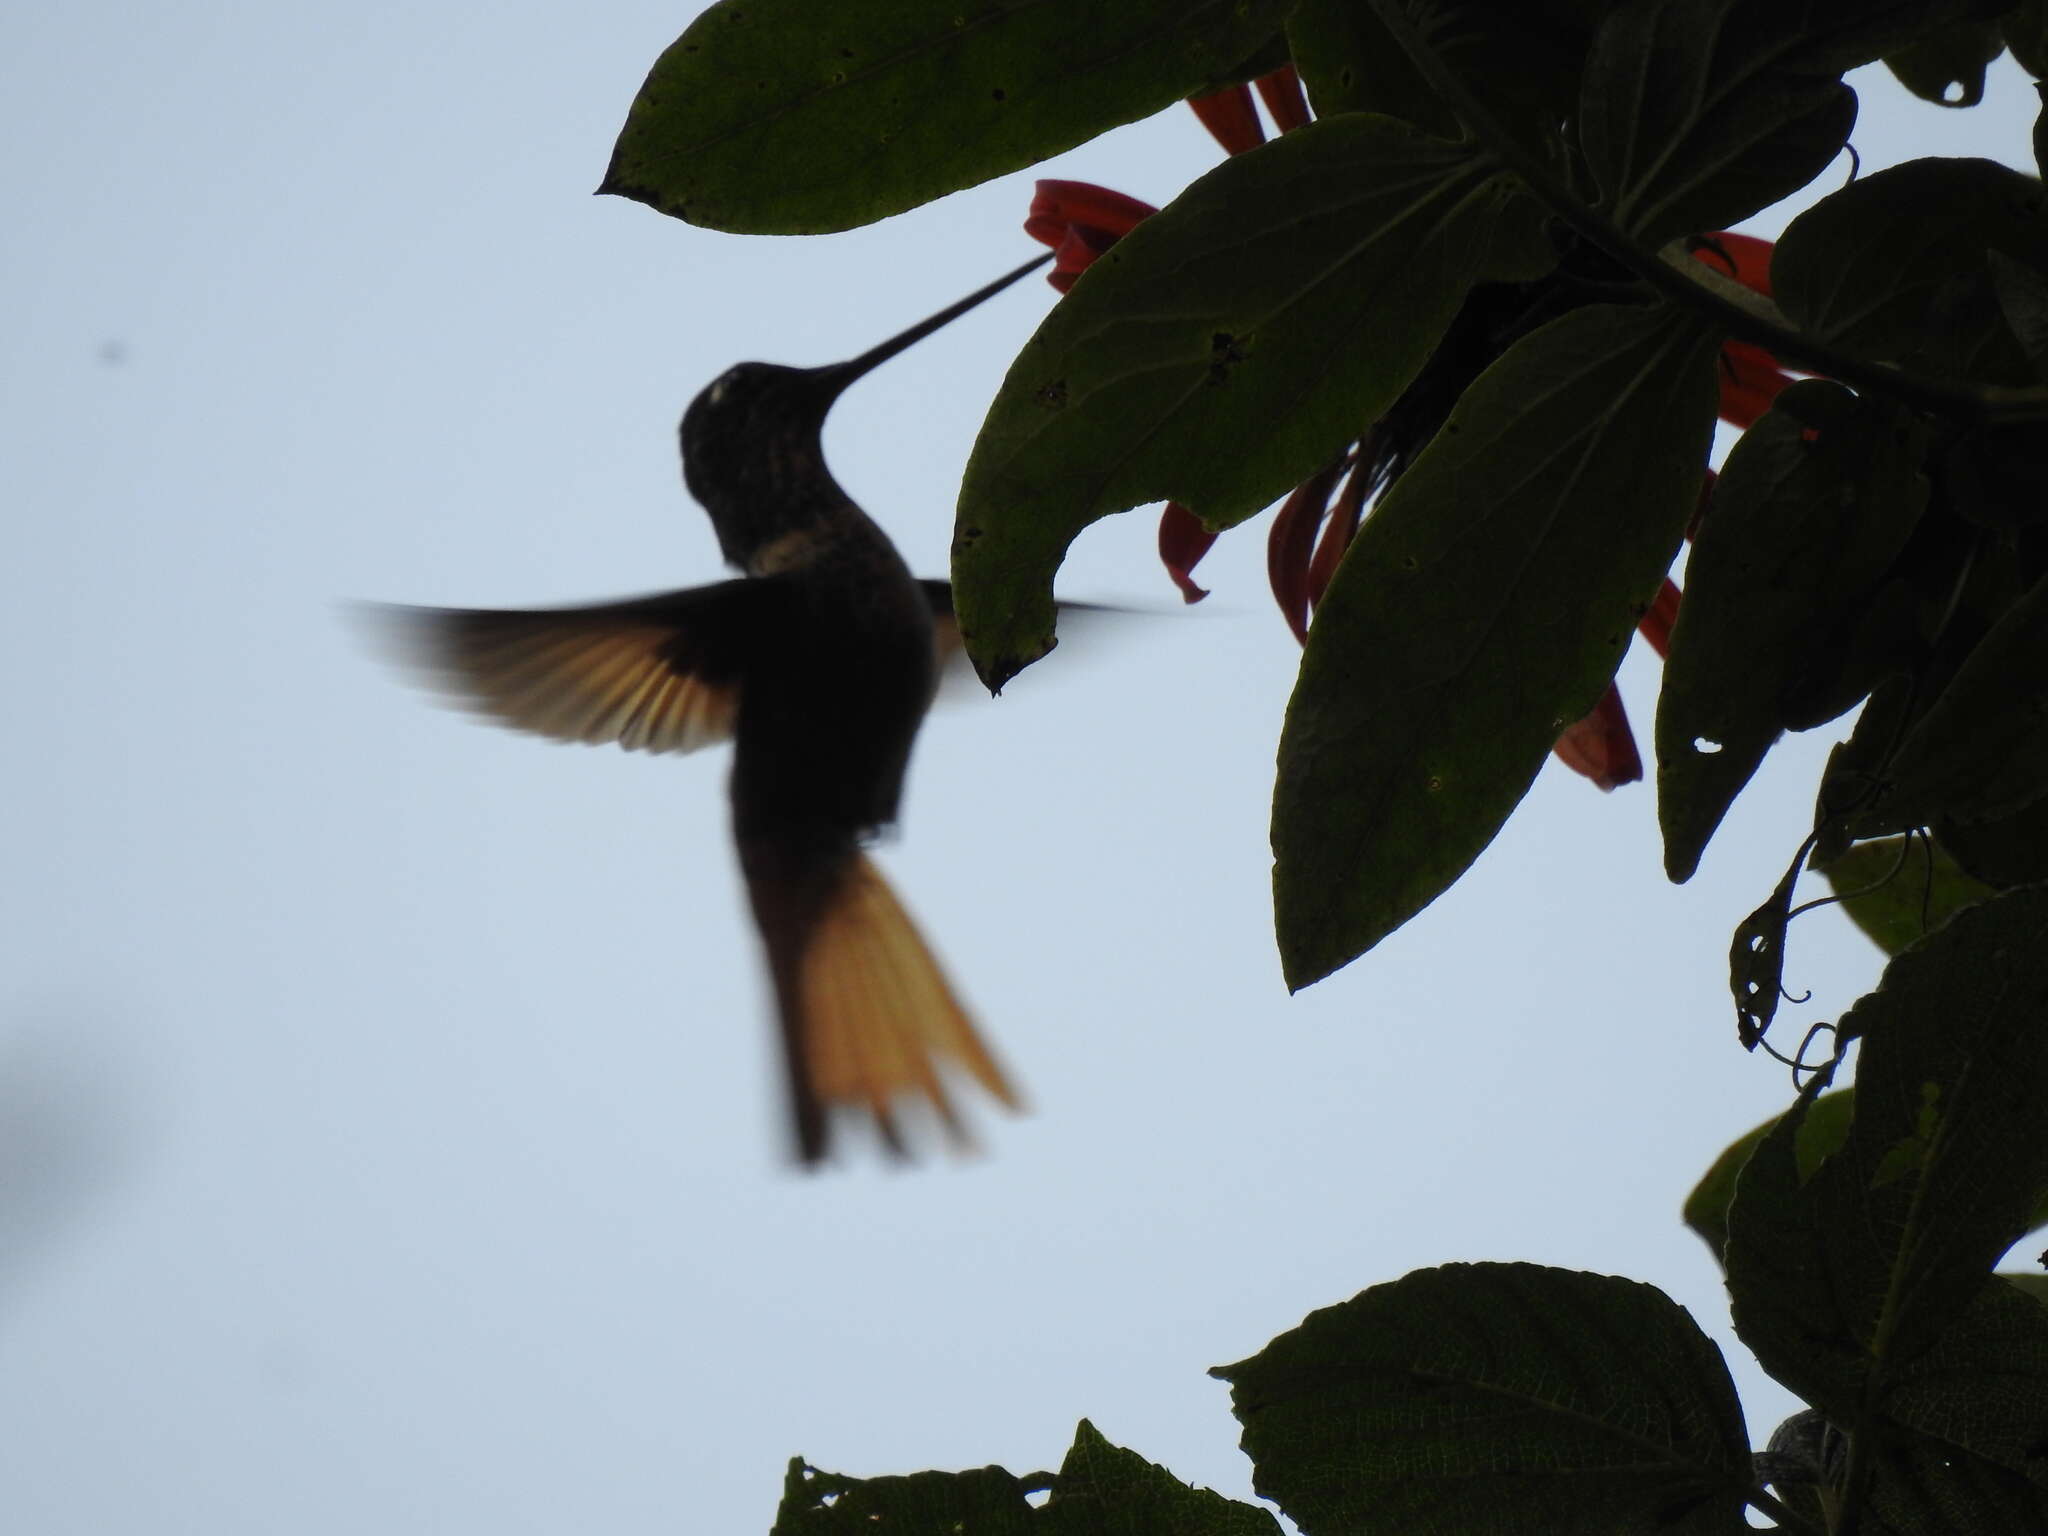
(1285,103)
(1182,543)
(1231,118)
(1291,542)
(1750,376)
(1601,746)
(1080,221)
(1656,624)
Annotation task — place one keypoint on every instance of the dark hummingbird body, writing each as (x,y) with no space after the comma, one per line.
(819,662)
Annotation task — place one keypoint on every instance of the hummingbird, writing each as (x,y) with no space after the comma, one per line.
(818,662)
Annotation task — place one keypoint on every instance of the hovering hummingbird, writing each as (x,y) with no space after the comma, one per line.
(819,663)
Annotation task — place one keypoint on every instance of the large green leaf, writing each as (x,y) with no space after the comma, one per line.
(1224,350)
(1815,502)
(1482,609)
(1846,1278)
(1821,1132)
(1895,265)
(1980,752)
(1103,1490)
(787,117)
(1696,113)
(1496,1398)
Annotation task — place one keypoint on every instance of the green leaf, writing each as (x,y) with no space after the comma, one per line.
(1105,1491)
(1696,113)
(1814,504)
(1483,607)
(788,118)
(1846,1277)
(1947,67)
(1898,890)
(988,1502)
(2035,1286)
(1496,1398)
(1895,266)
(1821,1132)
(1224,350)
(1980,752)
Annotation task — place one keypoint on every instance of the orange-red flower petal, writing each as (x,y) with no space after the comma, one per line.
(1080,221)
(1231,118)
(1601,746)
(1182,543)
(1280,90)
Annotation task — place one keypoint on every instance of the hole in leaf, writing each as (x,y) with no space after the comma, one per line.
(1705,746)
(1038,1498)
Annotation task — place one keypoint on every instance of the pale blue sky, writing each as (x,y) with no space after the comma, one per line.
(388,1131)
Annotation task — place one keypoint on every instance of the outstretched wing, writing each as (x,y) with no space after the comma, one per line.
(653,674)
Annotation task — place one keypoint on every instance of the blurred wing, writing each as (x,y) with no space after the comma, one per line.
(655,674)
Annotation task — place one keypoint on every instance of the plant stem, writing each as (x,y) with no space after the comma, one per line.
(1674,275)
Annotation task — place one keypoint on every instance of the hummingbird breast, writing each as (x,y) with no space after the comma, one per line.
(832,702)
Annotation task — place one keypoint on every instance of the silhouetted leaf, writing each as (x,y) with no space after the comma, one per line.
(987,1501)
(2023,299)
(787,117)
(1947,67)
(2009,851)
(1225,349)
(1814,503)
(1756,960)
(1106,1491)
(1980,752)
(1697,113)
(1846,1278)
(1895,265)
(1496,1398)
(1821,1132)
(1482,608)
(2026,34)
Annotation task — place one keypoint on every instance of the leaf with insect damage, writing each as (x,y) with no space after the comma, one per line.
(1860,1282)
(1813,506)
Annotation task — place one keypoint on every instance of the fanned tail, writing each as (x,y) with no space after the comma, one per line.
(868,1017)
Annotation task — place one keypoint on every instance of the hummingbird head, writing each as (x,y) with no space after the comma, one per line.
(753,439)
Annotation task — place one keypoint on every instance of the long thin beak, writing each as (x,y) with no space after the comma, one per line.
(838,375)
